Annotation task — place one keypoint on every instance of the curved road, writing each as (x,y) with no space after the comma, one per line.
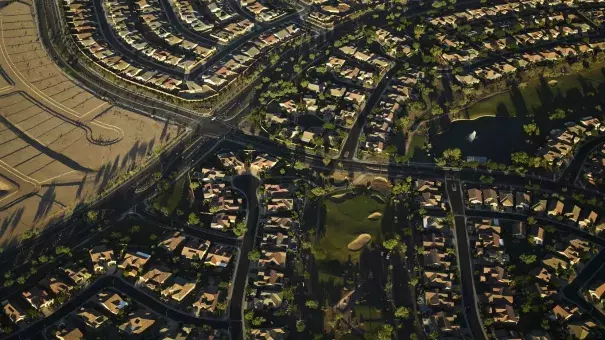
(248,185)
(124,287)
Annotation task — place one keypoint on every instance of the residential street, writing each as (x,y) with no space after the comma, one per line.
(469,295)
(118,283)
(248,185)
(570,174)
(350,147)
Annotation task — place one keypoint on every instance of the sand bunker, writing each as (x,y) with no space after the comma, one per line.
(374,216)
(359,242)
(339,195)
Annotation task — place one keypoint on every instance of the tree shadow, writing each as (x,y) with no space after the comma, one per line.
(165,130)
(9,223)
(502,110)
(518,101)
(447,93)
(545,94)
(46,202)
(81,186)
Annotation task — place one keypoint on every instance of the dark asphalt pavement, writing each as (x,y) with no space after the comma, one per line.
(121,285)
(248,185)
(465,259)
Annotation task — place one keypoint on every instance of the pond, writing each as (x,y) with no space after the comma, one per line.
(496,139)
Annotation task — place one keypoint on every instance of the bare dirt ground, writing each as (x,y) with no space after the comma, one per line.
(59,143)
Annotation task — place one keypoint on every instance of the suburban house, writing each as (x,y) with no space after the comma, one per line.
(111,302)
(13,312)
(102,258)
(172,241)
(138,323)
(91,317)
(179,289)
(37,298)
(133,263)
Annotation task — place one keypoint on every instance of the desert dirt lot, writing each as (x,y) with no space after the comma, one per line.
(59,143)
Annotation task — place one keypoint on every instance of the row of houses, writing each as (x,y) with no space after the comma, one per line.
(440,296)
(212,18)
(523,201)
(332,103)
(593,170)
(430,193)
(215,194)
(395,46)
(261,12)
(497,298)
(498,11)
(122,22)
(176,288)
(155,22)
(260,162)
(274,242)
(351,73)
(137,322)
(236,63)
(561,143)
(379,125)
(526,60)
(363,55)
(84,29)
(337,104)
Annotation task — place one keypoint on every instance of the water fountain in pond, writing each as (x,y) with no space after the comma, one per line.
(471,138)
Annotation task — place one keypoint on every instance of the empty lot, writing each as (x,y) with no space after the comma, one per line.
(59,143)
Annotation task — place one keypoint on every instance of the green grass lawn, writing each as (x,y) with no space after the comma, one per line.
(344,221)
(415,150)
(531,97)
(172,197)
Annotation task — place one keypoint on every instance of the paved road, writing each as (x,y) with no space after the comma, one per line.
(119,45)
(353,138)
(465,259)
(124,287)
(248,185)
(546,221)
(572,171)
(573,291)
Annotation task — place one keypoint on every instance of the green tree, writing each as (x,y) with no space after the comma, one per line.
(557,114)
(62,250)
(402,313)
(298,165)
(135,229)
(527,259)
(318,191)
(193,219)
(254,255)
(300,326)
(390,244)
(92,216)
(312,304)
(531,129)
(386,332)
(240,229)
(257,321)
